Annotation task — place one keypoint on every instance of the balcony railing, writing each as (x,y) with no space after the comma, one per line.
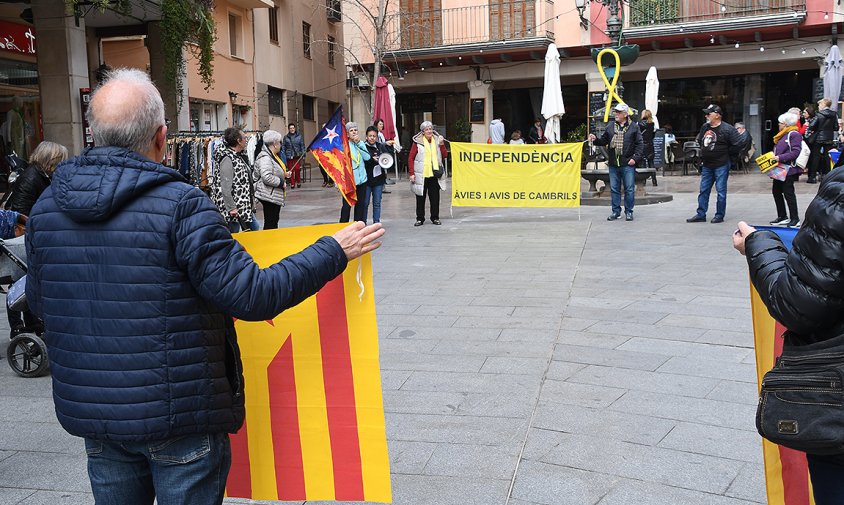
(497,21)
(651,12)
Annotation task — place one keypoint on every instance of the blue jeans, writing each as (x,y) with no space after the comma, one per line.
(184,470)
(627,173)
(375,193)
(827,485)
(719,176)
(254,225)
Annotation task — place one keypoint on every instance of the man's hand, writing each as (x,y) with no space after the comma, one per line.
(358,239)
(592,137)
(740,235)
(233,213)
(631,162)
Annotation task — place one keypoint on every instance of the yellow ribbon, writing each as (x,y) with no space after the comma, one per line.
(610,85)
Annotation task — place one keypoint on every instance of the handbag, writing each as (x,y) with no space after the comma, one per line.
(803,158)
(801,401)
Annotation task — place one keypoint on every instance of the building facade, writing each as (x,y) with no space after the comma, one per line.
(755,59)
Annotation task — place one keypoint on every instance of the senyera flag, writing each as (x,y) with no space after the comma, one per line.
(786,470)
(314,426)
(331,149)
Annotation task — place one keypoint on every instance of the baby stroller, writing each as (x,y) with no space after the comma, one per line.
(27,352)
(691,152)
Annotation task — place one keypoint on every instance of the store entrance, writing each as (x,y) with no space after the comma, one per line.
(783,90)
(517,108)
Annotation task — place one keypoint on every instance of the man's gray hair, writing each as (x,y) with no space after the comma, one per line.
(739,125)
(139,119)
(271,137)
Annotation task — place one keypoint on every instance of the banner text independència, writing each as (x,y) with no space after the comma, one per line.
(524,157)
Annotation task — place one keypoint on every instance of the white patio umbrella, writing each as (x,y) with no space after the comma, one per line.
(552,96)
(832,74)
(652,94)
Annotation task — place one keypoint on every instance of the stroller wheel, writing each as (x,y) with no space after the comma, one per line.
(27,355)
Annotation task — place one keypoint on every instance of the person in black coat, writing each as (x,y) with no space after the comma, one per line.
(804,290)
(820,136)
(626,149)
(376,178)
(646,124)
(36,177)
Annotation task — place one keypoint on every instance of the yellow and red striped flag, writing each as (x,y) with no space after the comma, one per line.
(786,470)
(314,426)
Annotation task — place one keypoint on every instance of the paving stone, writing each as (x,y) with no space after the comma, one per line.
(701,367)
(55,498)
(618,357)
(561,370)
(628,492)
(609,424)
(515,365)
(576,323)
(438,362)
(455,429)
(470,382)
(641,380)
(709,323)
(438,490)
(496,348)
(649,464)
(618,316)
(647,330)
(750,484)
(389,345)
(584,395)
(724,443)
(46,471)
(507,322)
(18,408)
(736,392)
(9,495)
(466,460)
(464,310)
(51,437)
(695,350)
(730,338)
(416,321)
(589,339)
(527,336)
(445,333)
(684,408)
(557,485)
(396,308)
(409,457)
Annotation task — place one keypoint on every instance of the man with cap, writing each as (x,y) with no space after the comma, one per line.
(626,148)
(719,144)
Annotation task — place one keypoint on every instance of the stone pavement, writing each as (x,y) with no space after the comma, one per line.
(528,357)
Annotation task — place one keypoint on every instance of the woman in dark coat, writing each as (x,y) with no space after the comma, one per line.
(647,127)
(804,290)
(35,179)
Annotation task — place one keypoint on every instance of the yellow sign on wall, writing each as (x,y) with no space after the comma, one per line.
(503,175)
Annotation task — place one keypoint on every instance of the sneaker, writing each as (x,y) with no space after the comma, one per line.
(696,219)
(613,216)
(794,223)
(716,220)
(780,221)
(628,216)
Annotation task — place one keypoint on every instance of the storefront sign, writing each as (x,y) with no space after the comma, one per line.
(17,38)
(504,175)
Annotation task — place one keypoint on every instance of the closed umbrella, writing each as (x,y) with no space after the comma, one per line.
(832,74)
(652,94)
(552,96)
(385,98)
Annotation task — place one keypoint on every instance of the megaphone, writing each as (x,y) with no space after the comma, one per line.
(385,160)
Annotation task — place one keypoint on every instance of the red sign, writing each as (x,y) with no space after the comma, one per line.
(17,38)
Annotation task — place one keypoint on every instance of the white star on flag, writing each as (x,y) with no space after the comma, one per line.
(331,134)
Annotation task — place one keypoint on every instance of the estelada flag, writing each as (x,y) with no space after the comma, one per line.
(331,149)
(786,470)
(314,426)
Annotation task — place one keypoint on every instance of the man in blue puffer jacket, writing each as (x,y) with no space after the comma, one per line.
(137,278)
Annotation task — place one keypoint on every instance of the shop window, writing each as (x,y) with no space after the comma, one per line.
(308,107)
(274,25)
(306,39)
(274,96)
(332,44)
(235,35)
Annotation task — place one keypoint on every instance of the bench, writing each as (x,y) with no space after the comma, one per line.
(603,174)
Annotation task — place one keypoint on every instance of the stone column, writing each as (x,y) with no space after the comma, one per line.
(179,116)
(62,70)
(479,89)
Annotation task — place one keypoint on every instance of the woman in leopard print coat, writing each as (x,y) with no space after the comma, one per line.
(232,188)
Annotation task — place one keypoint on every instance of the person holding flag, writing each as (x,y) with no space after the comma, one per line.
(332,151)
(358,154)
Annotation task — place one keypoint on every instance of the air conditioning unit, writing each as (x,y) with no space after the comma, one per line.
(334,11)
(360,81)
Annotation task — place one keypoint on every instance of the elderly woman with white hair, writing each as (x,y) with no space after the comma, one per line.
(426,168)
(270,172)
(787,149)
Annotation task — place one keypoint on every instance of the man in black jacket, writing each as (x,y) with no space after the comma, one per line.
(626,148)
(821,135)
(719,144)
(804,290)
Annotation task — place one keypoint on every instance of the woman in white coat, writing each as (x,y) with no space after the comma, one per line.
(425,163)
(271,170)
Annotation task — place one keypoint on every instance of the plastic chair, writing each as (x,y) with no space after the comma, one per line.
(691,151)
